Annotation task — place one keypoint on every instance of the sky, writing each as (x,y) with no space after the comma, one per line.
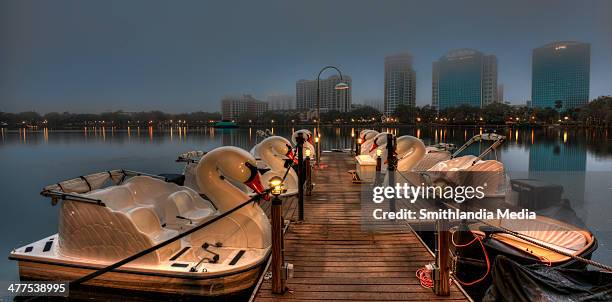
(183,56)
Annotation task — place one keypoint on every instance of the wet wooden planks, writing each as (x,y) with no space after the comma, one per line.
(335,255)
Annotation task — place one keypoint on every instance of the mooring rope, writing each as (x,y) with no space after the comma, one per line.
(534,242)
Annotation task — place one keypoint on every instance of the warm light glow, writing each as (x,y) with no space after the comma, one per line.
(276,184)
(378,152)
(359,140)
(418,119)
(316,139)
(341,86)
(307,152)
(566,118)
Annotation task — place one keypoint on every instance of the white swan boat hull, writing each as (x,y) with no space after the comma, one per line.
(169,277)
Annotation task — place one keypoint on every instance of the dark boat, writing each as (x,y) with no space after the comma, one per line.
(478,245)
(512,281)
(225,124)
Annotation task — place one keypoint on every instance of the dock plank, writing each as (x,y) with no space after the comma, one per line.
(337,258)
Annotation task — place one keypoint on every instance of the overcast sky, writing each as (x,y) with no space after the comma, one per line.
(180,56)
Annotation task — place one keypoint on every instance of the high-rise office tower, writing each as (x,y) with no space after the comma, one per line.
(500,93)
(464,77)
(400,82)
(331,99)
(560,72)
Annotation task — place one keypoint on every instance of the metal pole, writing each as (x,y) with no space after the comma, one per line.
(319,102)
(278,282)
(442,272)
(391,165)
(301,174)
(308,178)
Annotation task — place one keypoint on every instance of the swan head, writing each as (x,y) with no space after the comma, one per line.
(379,140)
(280,147)
(232,163)
(407,145)
(368,134)
(305,132)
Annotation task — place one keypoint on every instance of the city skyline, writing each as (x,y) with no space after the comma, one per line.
(95,57)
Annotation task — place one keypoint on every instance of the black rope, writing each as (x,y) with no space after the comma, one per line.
(86,181)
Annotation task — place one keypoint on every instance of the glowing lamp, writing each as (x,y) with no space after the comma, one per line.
(359,140)
(316,139)
(307,152)
(276,184)
(378,152)
(341,86)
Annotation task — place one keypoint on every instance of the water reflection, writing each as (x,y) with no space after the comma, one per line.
(34,158)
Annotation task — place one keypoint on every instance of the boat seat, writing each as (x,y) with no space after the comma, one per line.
(148,223)
(190,206)
(117,198)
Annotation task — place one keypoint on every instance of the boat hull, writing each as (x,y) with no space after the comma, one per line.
(227,284)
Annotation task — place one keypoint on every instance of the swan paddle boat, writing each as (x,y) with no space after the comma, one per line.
(470,170)
(276,154)
(367,138)
(308,143)
(109,216)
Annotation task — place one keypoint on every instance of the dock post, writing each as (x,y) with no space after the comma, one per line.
(301,175)
(442,273)
(308,178)
(391,165)
(358,146)
(278,282)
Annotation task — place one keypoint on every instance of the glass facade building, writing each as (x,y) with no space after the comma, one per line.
(464,77)
(560,72)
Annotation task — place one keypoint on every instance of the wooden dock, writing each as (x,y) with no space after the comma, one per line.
(336,258)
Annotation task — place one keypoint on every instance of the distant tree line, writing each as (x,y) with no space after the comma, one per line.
(597,113)
(117,118)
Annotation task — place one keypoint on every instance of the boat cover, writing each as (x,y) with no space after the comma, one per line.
(514,282)
(548,232)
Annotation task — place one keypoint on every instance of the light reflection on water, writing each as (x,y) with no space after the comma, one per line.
(31,159)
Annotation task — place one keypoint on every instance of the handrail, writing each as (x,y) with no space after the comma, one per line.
(55,195)
(479,137)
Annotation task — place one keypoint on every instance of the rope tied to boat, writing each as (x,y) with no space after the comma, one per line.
(541,245)
(484,251)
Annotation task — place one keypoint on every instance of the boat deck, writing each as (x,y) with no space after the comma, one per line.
(335,258)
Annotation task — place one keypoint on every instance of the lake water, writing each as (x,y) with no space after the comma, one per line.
(30,159)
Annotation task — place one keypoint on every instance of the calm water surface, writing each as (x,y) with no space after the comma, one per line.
(31,159)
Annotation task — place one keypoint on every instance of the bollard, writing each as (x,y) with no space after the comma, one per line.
(358,146)
(441,274)
(308,178)
(278,282)
(301,175)
(391,165)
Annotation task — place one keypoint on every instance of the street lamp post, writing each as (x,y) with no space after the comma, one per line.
(339,86)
